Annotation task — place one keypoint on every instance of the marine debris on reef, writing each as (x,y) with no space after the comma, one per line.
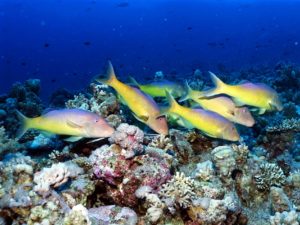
(134,177)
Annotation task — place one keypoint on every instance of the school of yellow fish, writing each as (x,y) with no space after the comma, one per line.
(214,112)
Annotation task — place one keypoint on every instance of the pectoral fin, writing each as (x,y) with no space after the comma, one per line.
(73,139)
(141,118)
(187,124)
(261,111)
(73,124)
(238,103)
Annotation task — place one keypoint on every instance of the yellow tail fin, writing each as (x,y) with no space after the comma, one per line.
(110,78)
(218,89)
(173,105)
(25,122)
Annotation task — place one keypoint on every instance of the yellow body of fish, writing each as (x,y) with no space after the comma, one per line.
(222,105)
(159,88)
(74,122)
(143,107)
(52,125)
(257,95)
(208,122)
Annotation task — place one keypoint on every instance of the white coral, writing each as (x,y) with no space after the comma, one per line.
(180,191)
(224,159)
(285,218)
(204,171)
(55,176)
(78,216)
(130,138)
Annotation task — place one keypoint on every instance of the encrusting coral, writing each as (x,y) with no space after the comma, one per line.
(55,176)
(7,144)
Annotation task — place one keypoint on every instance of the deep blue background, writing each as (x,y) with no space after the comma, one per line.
(140,37)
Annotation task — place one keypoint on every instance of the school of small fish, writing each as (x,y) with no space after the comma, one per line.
(220,108)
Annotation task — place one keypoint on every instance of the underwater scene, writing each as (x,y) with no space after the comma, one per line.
(149,112)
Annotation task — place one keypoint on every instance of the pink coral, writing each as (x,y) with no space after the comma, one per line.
(129,138)
(108,164)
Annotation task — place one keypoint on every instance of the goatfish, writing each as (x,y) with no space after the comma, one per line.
(221,105)
(210,123)
(159,88)
(77,123)
(258,95)
(143,107)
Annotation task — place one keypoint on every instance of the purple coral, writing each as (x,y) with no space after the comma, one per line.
(108,164)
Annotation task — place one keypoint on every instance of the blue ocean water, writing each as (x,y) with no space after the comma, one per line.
(66,42)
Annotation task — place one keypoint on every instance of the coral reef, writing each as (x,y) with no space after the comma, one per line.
(8,145)
(55,176)
(269,175)
(133,177)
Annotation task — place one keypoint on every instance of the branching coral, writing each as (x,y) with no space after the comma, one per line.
(179,191)
(101,101)
(161,142)
(286,125)
(269,175)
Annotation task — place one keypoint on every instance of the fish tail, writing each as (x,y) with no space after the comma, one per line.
(133,81)
(173,105)
(188,92)
(110,78)
(25,124)
(219,84)
(218,89)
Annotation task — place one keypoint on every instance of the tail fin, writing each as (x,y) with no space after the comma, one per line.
(133,81)
(24,124)
(188,92)
(216,80)
(172,104)
(110,76)
(218,89)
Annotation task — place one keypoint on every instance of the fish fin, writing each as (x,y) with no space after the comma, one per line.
(238,103)
(141,118)
(172,103)
(73,139)
(73,124)
(121,99)
(188,92)
(110,76)
(219,87)
(95,140)
(24,124)
(47,134)
(186,123)
(261,111)
(133,81)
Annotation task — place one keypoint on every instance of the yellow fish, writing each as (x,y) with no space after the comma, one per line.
(210,123)
(144,108)
(159,88)
(258,95)
(77,123)
(221,105)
